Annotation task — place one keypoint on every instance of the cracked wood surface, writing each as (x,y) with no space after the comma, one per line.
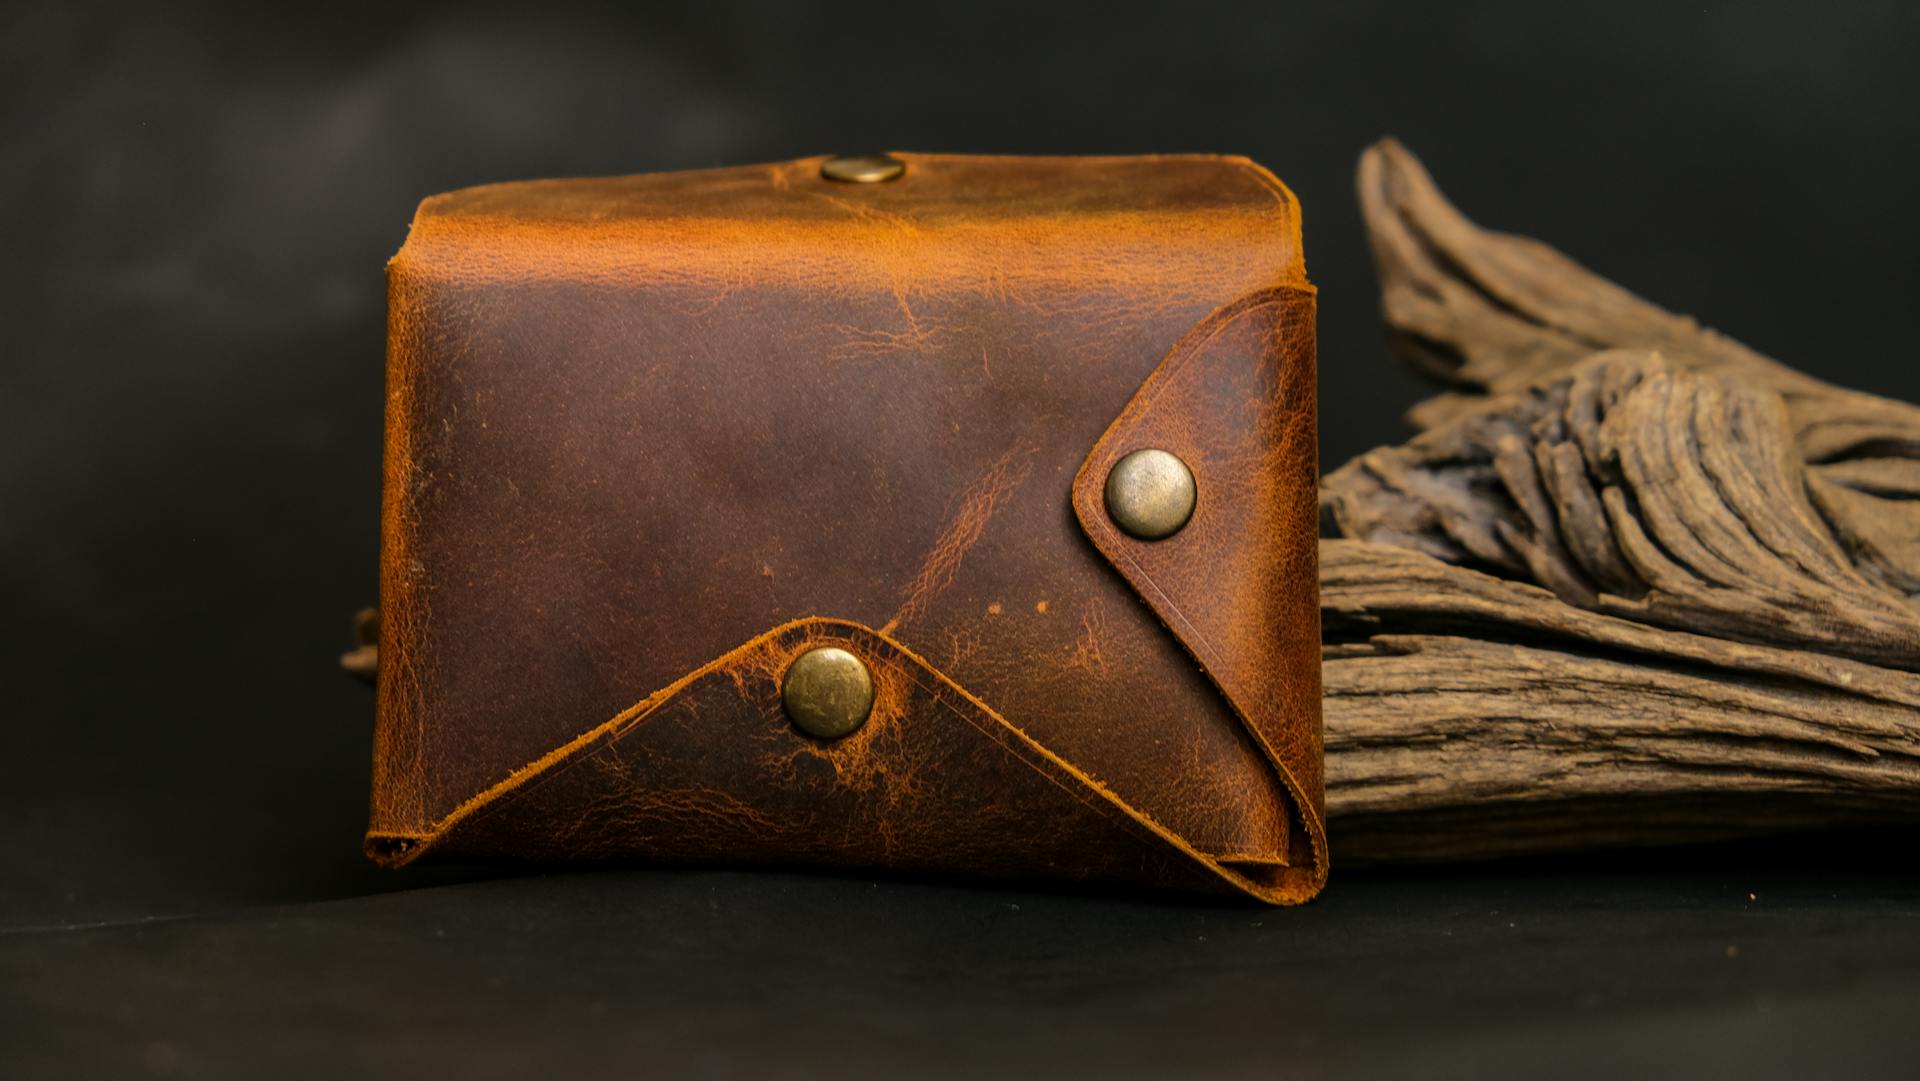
(1631,583)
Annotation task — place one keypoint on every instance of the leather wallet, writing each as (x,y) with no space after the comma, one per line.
(943,514)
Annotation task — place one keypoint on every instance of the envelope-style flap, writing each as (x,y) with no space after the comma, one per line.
(1237,585)
(935,780)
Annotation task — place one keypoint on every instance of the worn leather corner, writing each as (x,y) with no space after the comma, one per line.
(1238,586)
(935,781)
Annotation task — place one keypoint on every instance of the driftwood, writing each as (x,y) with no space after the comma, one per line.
(1631,583)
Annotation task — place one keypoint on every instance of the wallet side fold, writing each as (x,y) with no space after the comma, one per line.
(1238,585)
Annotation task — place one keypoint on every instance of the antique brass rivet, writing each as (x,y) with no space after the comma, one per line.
(863,168)
(827,692)
(1150,494)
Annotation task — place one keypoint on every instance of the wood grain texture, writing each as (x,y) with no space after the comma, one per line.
(1630,583)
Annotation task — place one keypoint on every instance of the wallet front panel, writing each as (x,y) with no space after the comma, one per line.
(635,425)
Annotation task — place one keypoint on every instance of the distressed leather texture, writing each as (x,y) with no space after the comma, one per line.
(650,437)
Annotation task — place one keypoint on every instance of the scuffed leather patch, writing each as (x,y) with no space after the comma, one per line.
(710,770)
(1238,585)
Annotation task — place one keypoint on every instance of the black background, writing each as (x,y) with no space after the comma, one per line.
(196,207)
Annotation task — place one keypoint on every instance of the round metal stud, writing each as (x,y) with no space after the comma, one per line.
(1150,494)
(863,168)
(827,692)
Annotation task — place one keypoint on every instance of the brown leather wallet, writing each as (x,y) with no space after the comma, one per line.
(795,514)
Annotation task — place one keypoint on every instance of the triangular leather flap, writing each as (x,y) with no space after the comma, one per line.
(710,766)
(1238,584)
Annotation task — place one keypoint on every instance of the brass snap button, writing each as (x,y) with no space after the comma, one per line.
(1150,494)
(863,168)
(827,692)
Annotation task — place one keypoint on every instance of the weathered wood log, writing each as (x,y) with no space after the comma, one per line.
(1632,582)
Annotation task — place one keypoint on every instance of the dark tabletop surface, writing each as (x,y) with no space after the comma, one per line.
(1728,963)
(196,203)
